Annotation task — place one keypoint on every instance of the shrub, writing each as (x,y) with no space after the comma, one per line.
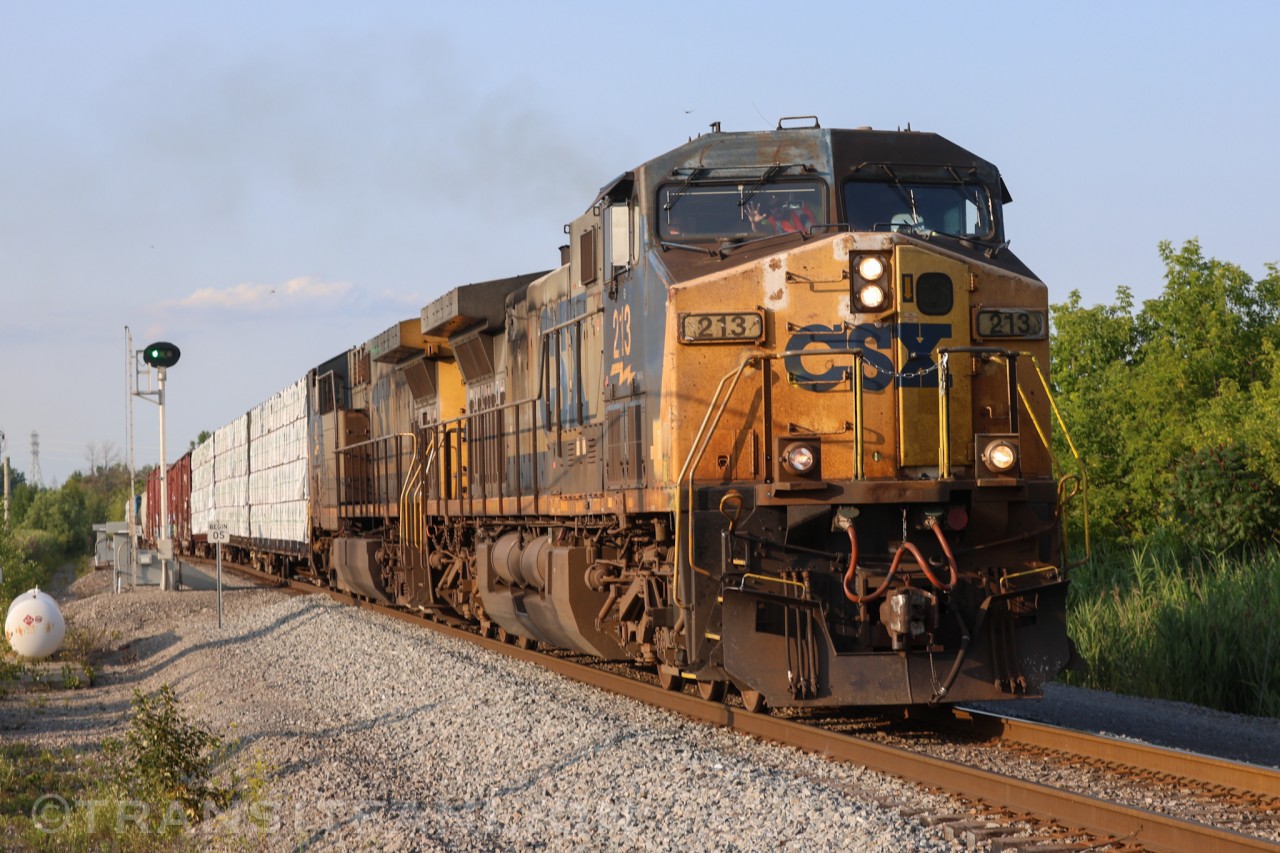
(1221,503)
(166,759)
(21,573)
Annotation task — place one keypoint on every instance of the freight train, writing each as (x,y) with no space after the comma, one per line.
(776,424)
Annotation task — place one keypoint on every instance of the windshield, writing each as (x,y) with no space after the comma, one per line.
(739,210)
(960,209)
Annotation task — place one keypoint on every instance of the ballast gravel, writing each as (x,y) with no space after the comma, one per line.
(374,734)
(380,735)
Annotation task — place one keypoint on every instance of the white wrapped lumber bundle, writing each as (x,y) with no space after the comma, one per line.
(277,482)
(202,486)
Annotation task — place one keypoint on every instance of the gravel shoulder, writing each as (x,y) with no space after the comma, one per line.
(1178,725)
(378,734)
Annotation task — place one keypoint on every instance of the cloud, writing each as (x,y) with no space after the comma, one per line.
(265,296)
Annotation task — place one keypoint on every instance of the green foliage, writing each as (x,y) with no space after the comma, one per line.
(1174,407)
(28,777)
(1150,622)
(166,759)
(41,547)
(21,494)
(51,524)
(1144,391)
(1221,503)
(21,573)
(141,793)
(63,515)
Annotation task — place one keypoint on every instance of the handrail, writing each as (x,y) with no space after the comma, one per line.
(373,486)
(747,360)
(1075,453)
(408,532)
(1009,357)
(707,427)
(534,400)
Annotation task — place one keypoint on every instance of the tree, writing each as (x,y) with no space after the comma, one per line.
(204,436)
(101,456)
(62,514)
(1145,392)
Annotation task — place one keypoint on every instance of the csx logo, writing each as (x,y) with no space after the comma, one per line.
(876,342)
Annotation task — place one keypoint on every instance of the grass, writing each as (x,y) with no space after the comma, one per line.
(1200,629)
(141,791)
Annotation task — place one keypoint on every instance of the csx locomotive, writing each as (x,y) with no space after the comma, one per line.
(776,423)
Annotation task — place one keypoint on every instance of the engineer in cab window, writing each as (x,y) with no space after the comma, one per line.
(773,215)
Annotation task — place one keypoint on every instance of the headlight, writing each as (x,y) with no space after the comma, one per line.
(799,458)
(870,268)
(1000,455)
(872,297)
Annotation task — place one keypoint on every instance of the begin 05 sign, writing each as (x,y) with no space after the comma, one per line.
(218,533)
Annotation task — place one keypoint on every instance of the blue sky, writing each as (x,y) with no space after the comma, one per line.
(266,184)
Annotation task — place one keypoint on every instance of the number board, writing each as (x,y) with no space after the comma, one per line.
(1010,323)
(218,533)
(737,327)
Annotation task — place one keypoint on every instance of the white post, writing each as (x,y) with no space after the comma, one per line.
(219,547)
(131,382)
(163,541)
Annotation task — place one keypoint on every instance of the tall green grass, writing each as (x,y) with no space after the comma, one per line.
(1150,622)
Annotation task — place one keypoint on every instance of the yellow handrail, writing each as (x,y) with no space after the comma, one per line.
(1066,434)
(717,405)
(696,452)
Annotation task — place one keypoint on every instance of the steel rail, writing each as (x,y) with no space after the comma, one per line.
(1153,831)
(1169,761)
(1121,824)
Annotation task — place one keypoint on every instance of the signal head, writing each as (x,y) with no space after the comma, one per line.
(161,354)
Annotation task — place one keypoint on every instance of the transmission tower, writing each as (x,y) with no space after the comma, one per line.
(35,458)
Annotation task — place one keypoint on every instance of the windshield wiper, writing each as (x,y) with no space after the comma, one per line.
(992,248)
(726,246)
(681,190)
(667,244)
(750,192)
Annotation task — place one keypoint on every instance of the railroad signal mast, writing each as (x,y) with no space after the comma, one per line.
(160,355)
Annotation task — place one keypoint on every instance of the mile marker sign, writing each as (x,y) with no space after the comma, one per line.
(219,535)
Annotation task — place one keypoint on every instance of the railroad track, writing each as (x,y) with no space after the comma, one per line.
(993,809)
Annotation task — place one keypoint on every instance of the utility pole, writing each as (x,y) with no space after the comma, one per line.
(6,479)
(130,516)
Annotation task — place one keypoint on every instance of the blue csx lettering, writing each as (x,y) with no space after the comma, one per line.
(919,340)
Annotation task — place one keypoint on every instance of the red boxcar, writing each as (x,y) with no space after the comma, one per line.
(179,498)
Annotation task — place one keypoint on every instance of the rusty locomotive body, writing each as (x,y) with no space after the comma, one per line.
(775,424)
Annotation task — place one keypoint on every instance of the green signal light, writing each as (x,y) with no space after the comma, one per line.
(161,354)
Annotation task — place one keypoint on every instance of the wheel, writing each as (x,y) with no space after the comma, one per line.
(712,691)
(753,701)
(503,636)
(669,678)
(526,643)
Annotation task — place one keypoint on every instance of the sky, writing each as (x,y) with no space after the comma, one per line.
(266,184)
